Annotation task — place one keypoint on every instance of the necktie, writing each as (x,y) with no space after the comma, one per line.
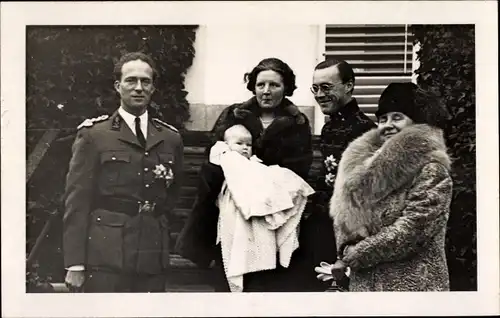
(138,131)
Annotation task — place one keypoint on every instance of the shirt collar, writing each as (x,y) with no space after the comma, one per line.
(130,119)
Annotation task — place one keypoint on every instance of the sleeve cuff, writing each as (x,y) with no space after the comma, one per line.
(76,268)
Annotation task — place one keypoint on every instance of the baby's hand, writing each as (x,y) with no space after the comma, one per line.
(338,270)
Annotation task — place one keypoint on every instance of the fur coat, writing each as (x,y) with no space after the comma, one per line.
(390,206)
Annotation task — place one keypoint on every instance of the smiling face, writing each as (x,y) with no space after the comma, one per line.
(135,86)
(391,123)
(329,91)
(269,89)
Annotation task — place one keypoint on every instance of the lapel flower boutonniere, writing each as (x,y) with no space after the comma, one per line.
(162,172)
(330,164)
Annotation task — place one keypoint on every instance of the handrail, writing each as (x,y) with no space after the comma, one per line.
(38,153)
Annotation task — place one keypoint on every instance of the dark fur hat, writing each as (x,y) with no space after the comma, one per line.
(423,107)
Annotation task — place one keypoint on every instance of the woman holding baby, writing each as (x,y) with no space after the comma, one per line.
(267,130)
(391,198)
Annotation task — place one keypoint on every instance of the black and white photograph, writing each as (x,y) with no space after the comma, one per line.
(208,158)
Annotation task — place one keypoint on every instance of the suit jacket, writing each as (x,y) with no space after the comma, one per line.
(342,128)
(109,165)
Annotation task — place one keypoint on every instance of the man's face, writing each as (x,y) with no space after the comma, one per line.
(135,86)
(329,91)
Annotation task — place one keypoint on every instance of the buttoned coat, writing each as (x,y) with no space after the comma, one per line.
(108,163)
(391,204)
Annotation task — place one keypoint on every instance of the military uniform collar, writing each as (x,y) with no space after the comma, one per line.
(130,119)
(347,111)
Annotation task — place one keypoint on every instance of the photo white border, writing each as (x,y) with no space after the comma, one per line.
(14,18)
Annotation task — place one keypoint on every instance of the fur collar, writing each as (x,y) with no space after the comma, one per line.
(287,116)
(371,169)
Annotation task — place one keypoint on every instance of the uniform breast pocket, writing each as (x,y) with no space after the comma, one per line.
(166,159)
(115,165)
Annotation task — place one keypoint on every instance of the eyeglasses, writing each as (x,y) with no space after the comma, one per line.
(325,88)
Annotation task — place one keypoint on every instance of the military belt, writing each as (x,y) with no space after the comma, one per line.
(129,207)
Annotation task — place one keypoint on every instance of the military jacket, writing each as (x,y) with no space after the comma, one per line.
(109,166)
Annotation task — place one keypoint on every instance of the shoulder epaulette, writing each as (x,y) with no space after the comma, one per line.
(89,122)
(165,124)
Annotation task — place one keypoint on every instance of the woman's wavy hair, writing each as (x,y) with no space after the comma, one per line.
(272,64)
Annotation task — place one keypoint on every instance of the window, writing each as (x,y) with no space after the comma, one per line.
(379,54)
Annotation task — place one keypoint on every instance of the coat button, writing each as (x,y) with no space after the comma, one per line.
(146,153)
(113,158)
(147,185)
(146,169)
(98,218)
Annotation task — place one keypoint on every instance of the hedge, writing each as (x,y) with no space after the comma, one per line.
(73,67)
(447,65)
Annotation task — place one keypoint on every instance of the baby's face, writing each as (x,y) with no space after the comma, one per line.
(241,144)
(239,139)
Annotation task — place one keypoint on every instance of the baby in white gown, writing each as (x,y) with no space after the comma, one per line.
(260,208)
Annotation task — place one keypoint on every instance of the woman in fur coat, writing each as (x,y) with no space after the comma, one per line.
(282,136)
(392,195)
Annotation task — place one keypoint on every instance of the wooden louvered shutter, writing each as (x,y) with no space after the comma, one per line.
(379,55)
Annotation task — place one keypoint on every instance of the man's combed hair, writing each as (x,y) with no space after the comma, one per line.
(345,70)
(132,56)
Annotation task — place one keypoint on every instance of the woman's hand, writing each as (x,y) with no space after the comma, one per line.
(336,271)
(324,271)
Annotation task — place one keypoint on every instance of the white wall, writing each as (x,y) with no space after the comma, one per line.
(224,53)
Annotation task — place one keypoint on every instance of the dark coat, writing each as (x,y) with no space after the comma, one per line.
(109,169)
(286,142)
(390,205)
(341,129)
(318,235)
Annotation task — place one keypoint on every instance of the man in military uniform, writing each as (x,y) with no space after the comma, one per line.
(123,180)
(333,86)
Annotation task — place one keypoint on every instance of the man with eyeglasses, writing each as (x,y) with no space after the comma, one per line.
(333,85)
